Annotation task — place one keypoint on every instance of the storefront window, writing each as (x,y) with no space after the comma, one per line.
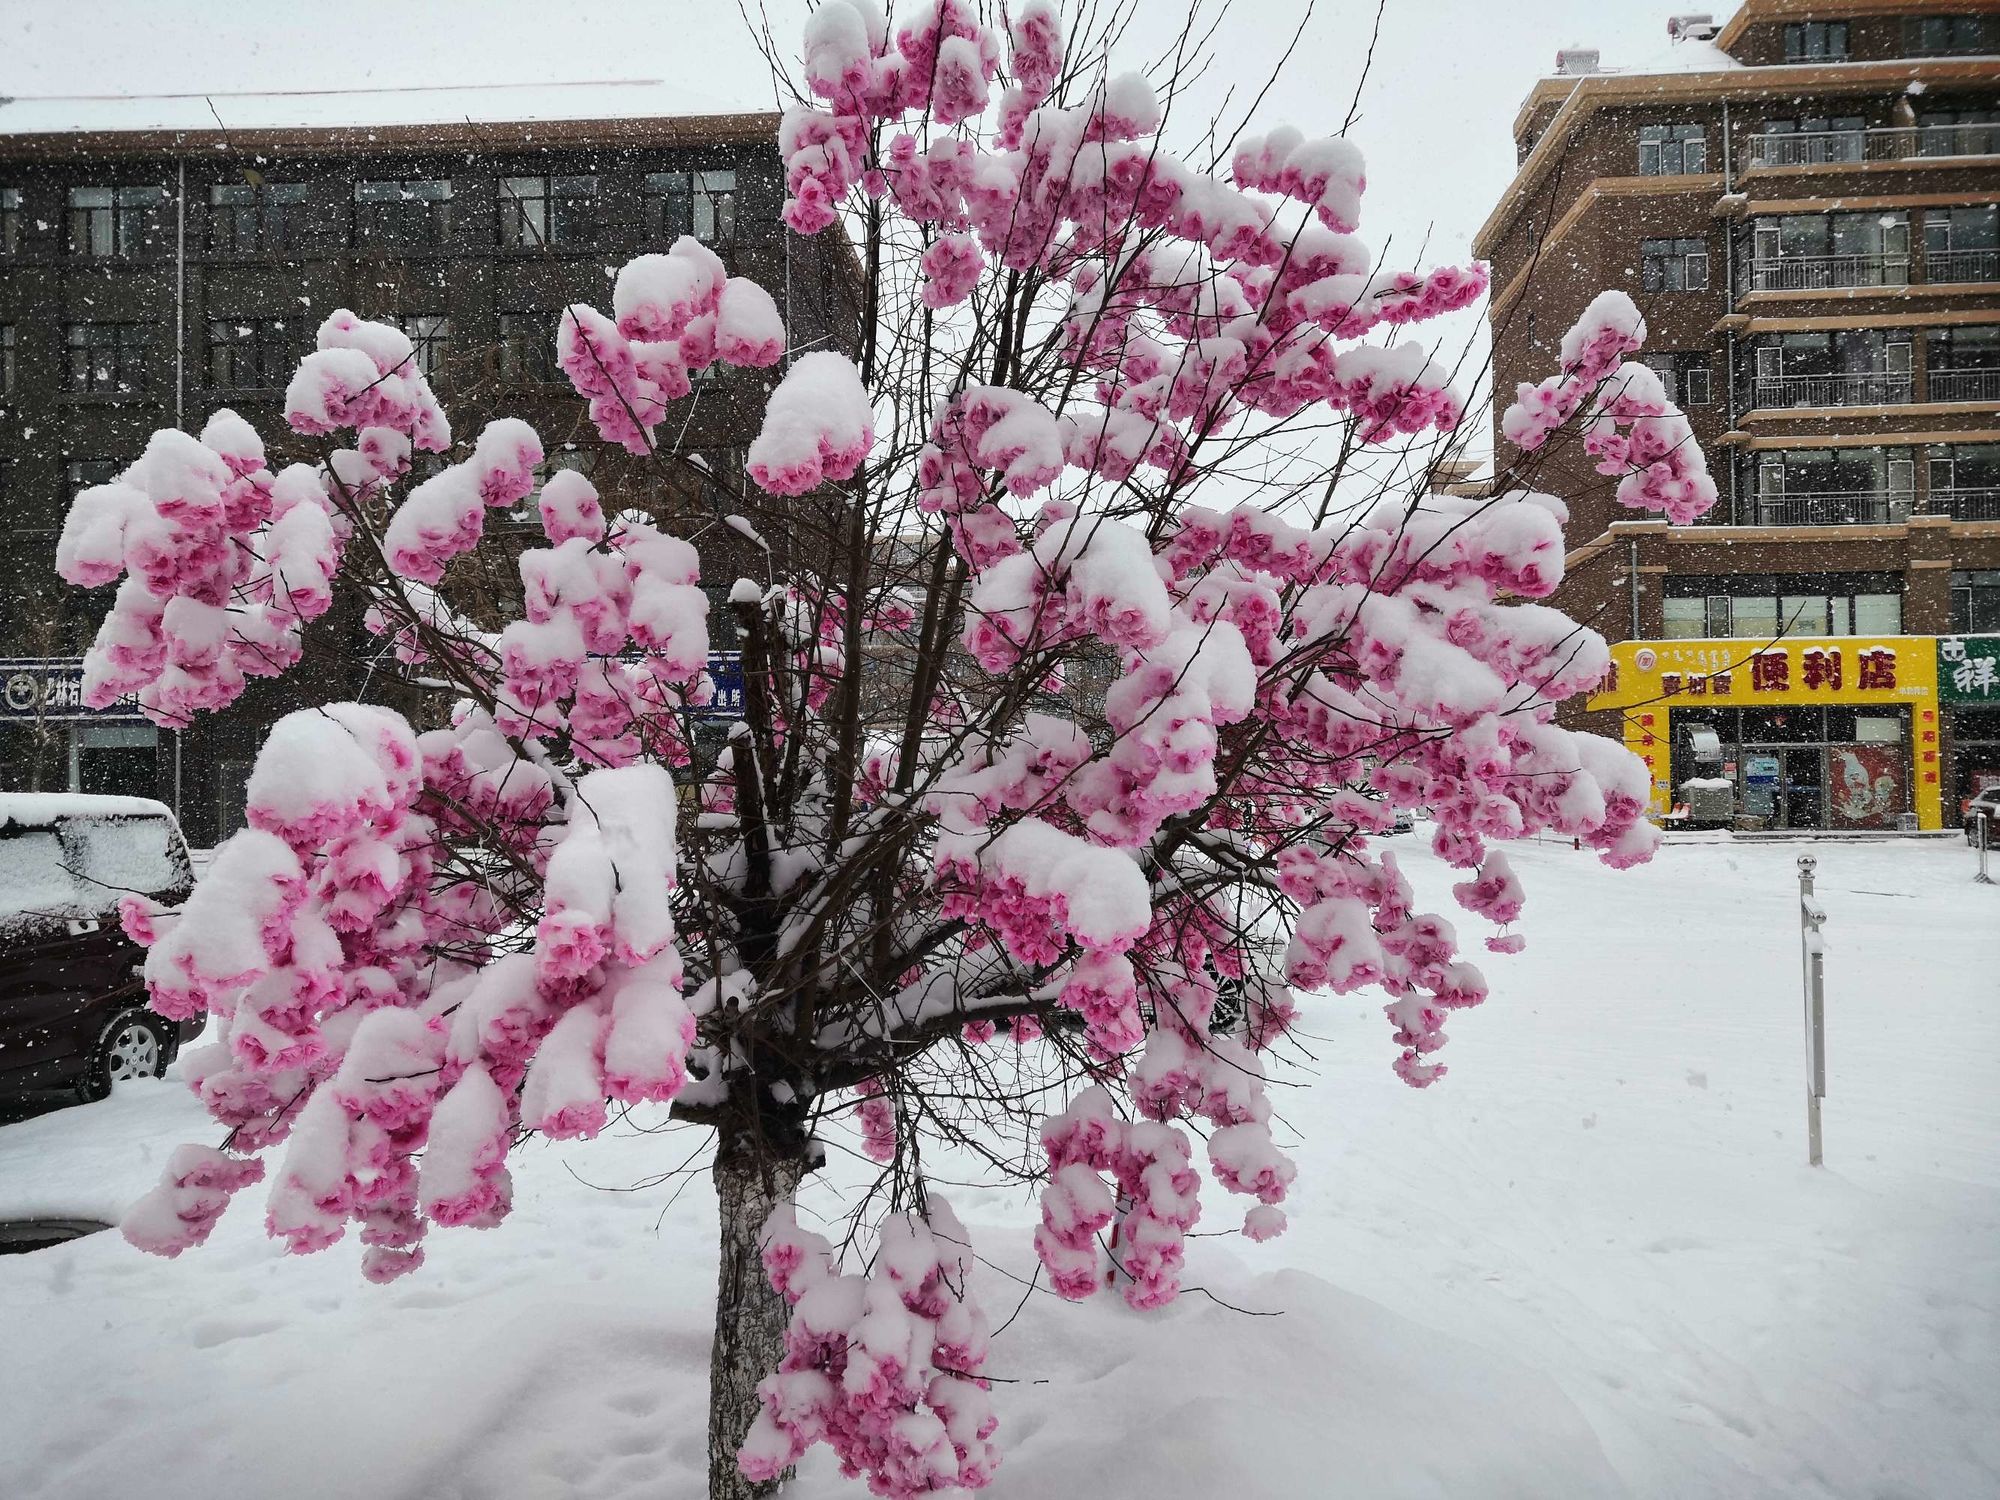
(1803,614)
(1685,619)
(1755,618)
(1878,614)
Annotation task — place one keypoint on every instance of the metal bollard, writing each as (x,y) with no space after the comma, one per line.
(1812,951)
(1981,823)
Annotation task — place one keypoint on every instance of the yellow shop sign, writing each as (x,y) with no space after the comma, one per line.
(1847,669)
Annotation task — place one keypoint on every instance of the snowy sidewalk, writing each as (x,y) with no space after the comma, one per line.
(1589,1262)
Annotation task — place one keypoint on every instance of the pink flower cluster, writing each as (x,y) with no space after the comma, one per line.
(224,565)
(613,638)
(445,515)
(1156,1202)
(398,1077)
(884,1369)
(675,314)
(818,427)
(877,1113)
(193,1191)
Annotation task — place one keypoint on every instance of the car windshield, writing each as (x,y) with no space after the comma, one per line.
(33,881)
(113,856)
(77,870)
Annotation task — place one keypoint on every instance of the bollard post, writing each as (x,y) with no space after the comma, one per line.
(1980,824)
(1812,952)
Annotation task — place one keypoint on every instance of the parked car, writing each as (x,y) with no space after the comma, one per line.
(1987,802)
(73,1013)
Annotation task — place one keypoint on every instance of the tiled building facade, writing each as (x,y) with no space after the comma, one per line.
(148,277)
(1805,205)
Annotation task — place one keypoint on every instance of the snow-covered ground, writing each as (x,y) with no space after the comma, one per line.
(1591,1262)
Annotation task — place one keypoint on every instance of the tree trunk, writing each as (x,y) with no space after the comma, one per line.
(750,1318)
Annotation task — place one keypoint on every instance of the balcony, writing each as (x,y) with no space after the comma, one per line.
(1828,508)
(1865,389)
(1963,385)
(1962,265)
(1825,148)
(1969,504)
(1801,273)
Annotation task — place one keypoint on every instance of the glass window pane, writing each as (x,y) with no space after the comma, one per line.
(1684,619)
(1878,614)
(1754,617)
(1804,614)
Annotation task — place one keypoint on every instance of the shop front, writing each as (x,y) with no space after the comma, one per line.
(1834,732)
(1968,672)
(53,742)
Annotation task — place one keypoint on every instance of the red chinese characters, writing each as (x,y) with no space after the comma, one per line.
(1820,670)
(1877,670)
(1770,672)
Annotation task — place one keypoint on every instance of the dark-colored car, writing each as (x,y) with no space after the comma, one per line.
(1987,802)
(73,1013)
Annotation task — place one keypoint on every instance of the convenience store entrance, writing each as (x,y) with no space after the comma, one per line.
(1808,768)
(1803,803)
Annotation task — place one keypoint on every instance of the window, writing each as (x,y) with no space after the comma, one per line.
(1853,367)
(527,348)
(1962,244)
(1941,36)
(1673,265)
(80,474)
(6,359)
(108,358)
(1833,486)
(1685,376)
(1878,614)
(1964,480)
(1958,132)
(1963,364)
(702,204)
(427,331)
(403,215)
(10,221)
(108,221)
(1816,41)
(1671,150)
(247,217)
(1764,606)
(1975,601)
(255,353)
(1809,140)
(537,211)
(1799,252)
(1685,619)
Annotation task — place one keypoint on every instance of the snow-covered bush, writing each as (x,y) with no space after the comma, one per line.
(429,945)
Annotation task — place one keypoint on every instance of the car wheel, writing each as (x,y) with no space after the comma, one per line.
(134,1045)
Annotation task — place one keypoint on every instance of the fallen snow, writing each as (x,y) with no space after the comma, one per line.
(1590,1262)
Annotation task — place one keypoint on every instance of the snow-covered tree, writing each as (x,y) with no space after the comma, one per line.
(1053,801)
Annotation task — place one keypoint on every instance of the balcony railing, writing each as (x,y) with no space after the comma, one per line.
(1828,508)
(1820,148)
(1865,389)
(1964,385)
(1798,273)
(1962,265)
(1969,504)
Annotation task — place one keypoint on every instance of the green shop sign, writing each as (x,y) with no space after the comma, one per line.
(1969,669)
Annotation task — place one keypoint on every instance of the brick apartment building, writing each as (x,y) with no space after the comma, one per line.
(1805,204)
(155,266)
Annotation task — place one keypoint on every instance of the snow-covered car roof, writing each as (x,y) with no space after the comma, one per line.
(45,809)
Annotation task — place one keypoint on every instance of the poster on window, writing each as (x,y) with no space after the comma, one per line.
(1866,785)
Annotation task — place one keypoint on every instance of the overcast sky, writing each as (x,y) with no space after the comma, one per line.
(1436,111)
